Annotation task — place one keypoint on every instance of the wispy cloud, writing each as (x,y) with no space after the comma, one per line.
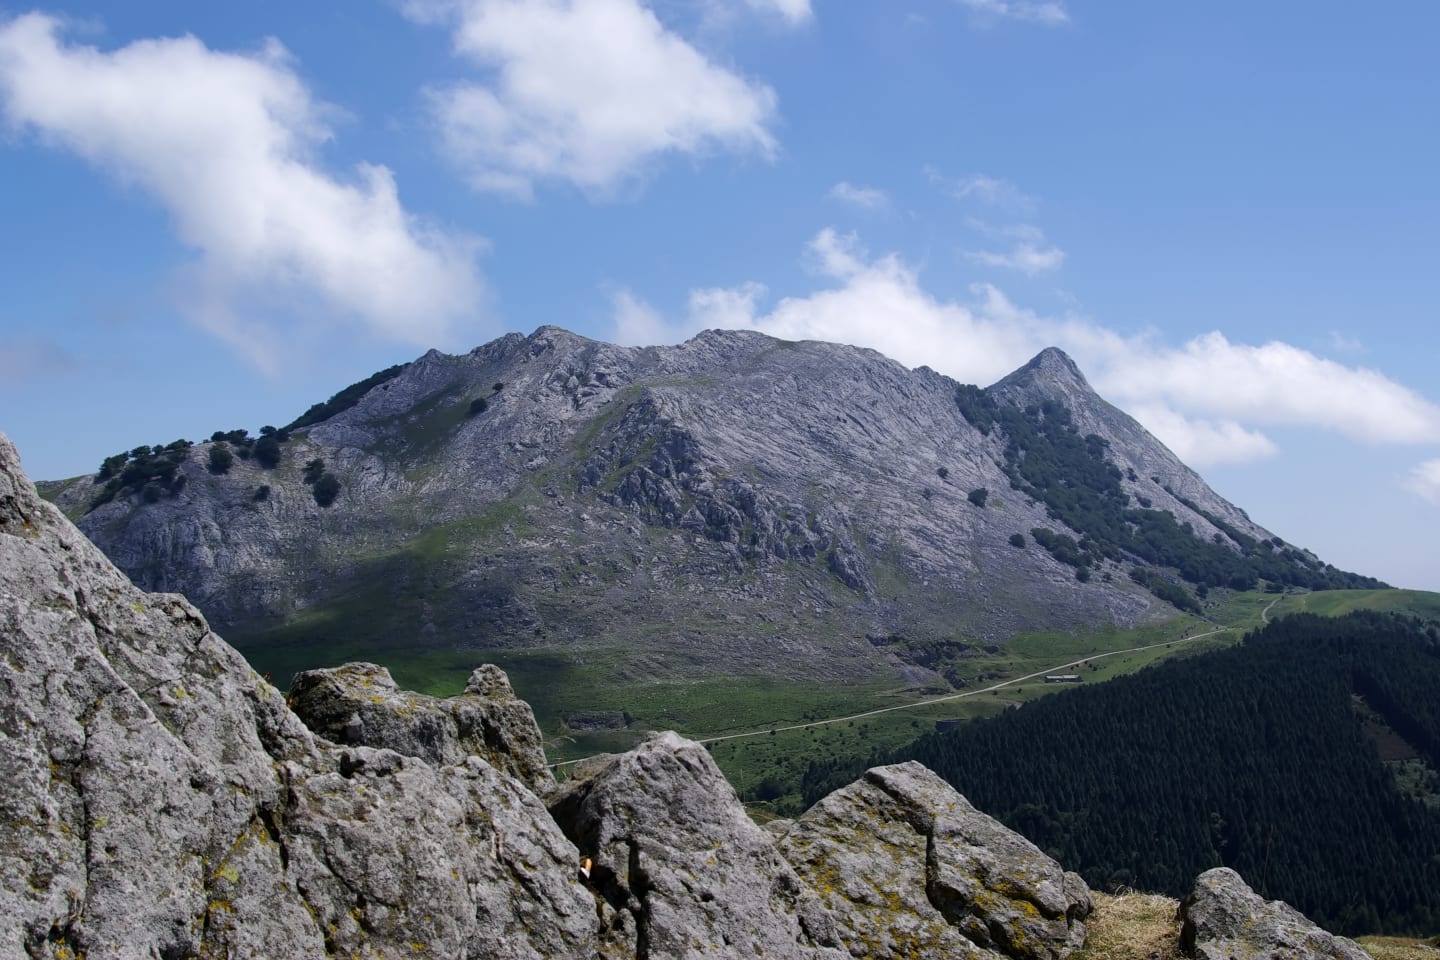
(1343,344)
(561,106)
(226,143)
(866,198)
(994,192)
(1209,398)
(1424,480)
(794,12)
(636,323)
(1050,14)
(1029,252)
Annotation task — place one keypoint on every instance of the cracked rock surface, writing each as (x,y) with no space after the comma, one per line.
(909,868)
(683,870)
(1223,919)
(161,801)
(359,703)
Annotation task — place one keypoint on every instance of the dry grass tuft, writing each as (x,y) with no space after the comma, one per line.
(1131,926)
(1144,926)
(1398,948)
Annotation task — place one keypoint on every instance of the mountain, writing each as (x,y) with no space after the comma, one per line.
(735,504)
(162,800)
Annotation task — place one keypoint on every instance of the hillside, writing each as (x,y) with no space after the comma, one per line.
(735,505)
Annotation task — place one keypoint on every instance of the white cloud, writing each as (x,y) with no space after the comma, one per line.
(637,324)
(1027,256)
(866,198)
(1278,383)
(990,191)
(226,142)
(1049,13)
(585,91)
(723,308)
(1203,443)
(1205,398)
(1424,480)
(794,12)
(1343,344)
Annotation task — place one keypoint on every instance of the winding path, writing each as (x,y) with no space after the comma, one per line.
(951,696)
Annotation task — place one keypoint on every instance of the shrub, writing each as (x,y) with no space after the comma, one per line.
(326,489)
(314,470)
(942,472)
(479,405)
(221,459)
(267,451)
(978,496)
(263,492)
(1017,540)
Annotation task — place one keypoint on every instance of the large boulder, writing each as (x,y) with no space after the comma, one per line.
(160,800)
(359,704)
(461,858)
(909,868)
(1223,919)
(683,870)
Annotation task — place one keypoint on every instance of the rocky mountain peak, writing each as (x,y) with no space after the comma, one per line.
(554,493)
(1051,365)
(1049,375)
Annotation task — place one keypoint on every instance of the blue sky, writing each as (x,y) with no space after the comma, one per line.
(214,215)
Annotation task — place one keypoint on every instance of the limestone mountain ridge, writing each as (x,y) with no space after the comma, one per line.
(735,502)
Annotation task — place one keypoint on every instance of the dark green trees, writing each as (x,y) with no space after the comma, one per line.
(324,485)
(220,459)
(326,489)
(267,451)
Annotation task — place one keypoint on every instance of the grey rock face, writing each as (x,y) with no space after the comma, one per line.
(1223,919)
(684,872)
(909,868)
(159,799)
(390,852)
(359,703)
(1052,375)
(750,503)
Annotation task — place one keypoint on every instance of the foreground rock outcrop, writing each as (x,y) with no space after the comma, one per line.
(359,703)
(1223,919)
(683,870)
(909,868)
(160,799)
